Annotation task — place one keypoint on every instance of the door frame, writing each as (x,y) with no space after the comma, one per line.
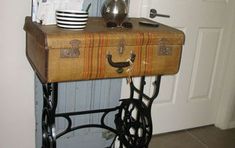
(226,96)
(227,99)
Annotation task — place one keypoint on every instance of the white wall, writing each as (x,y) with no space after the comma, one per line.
(16,78)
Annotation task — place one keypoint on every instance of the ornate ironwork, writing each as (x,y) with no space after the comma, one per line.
(133,120)
(134,131)
(102,124)
(50,96)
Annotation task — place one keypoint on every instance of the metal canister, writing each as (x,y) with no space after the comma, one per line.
(115,11)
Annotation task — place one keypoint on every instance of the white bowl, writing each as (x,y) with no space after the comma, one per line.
(72,22)
(71,19)
(72,15)
(71,12)
(72,26)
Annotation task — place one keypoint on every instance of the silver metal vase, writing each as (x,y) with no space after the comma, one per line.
(114,11)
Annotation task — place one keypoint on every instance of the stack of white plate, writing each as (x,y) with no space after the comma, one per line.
(71,19)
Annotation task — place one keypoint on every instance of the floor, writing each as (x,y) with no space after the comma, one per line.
(204,137)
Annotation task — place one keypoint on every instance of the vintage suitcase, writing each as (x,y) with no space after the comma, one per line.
(98,52)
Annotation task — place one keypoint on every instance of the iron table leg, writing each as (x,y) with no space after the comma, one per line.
(133,120)
(50,96)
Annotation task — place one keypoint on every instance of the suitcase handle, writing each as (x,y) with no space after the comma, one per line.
(121,65)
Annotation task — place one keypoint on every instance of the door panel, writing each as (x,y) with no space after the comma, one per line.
(204,64)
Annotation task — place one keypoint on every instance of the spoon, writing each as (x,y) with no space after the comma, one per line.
(88,7)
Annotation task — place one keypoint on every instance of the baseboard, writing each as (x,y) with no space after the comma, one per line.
(231,124)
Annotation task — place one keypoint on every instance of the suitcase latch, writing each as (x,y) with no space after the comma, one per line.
(121,46)
(164,48)
(72,52)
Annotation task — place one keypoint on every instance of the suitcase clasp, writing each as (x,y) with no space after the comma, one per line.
(121,46)
(73,52)
(164,48)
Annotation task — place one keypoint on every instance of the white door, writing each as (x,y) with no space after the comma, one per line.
(191,98)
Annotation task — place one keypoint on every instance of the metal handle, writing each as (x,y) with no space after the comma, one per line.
(153,14)
(121,65)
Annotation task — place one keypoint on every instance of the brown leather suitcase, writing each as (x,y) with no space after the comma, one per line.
(98,52)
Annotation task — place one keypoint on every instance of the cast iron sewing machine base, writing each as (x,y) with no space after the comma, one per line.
(133,120)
